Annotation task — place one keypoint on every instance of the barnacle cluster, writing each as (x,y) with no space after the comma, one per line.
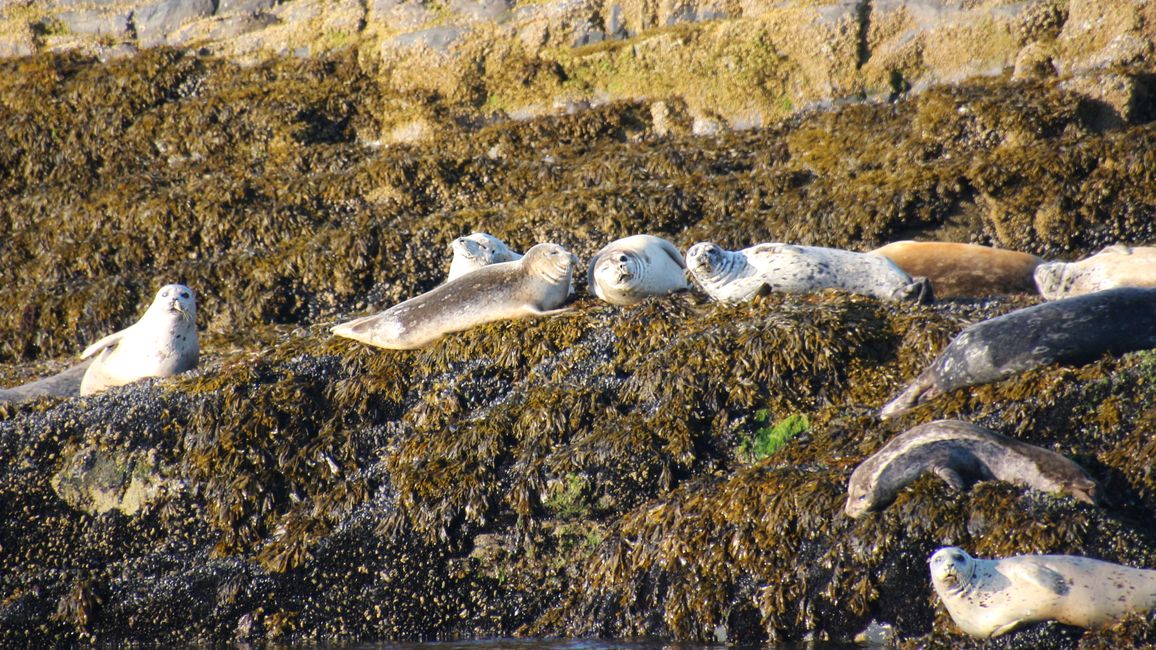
(573,475)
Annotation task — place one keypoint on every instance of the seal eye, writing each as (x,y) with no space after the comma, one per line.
(164,294)
(184,294)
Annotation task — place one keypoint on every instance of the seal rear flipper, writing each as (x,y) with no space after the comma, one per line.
(949,476)
(920,390)
(381,331)
(918,291)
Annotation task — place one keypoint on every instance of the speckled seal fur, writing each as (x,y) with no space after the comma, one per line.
(476,250)
(1113,267)
(628,270)
(961,454)
(162,343)
(1073,330)
(737,276)
(987,598)
(536,285)
(969,270)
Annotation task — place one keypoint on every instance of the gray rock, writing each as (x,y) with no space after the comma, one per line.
(230,26)
(615,25)
(226,7)
(95,480)
(155,21)
(95,21)
(399,14)
(479,10)
(435,38)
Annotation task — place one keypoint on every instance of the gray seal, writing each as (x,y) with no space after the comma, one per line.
(536,285)
(987,598)
(161,344)
(961,454)
(65,383)
(628,270)
(476,250)
(738,276)
(1074,330)
(1115,266)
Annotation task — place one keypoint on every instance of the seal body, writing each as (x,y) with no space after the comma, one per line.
(535,285)
(961,454)
(1115,266)
(737,276)
(987,598)
(968,270)
(1073,330)
(162,343)
(476,250)
(630,269)
(65,383)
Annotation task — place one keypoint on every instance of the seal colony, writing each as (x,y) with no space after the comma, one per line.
(738,276)
(628,270)
(987,598)
(161,344)
(1113,267)
(961,454)
(1073,330)
(536,285)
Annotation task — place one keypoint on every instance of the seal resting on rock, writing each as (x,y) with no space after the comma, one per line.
(961,454)
(737,276)
(535,285)
(1115,266)
(969,270)
(162,343)
(476,250)
(65,383)
(1072,330)
(987,598)
(630,269)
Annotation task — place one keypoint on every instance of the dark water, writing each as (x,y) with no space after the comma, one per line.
(589,644)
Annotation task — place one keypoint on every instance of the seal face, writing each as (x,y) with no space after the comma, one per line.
(162,343)
(1115,266)
(1072,330)
(535,285)
(957,269)
(630,269)
(987,598)
(737,276)
(961,454)
(476,250)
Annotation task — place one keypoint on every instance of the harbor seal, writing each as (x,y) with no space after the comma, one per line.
(65,383)
(1073,330)
(737,276)
(476,250)
(162,343)
(1115,266)
(964,270)
(987,598)
(961,454)
(630,269)
(535,285)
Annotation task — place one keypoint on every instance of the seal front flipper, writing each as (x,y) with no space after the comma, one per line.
(106,342)
(1042,576)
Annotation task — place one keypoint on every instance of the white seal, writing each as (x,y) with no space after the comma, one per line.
(536,285)
(737,276)
(476,250)
(162,343)
(987,598)
(630,269)
(1113,267)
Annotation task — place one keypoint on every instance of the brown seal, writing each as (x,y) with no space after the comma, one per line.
(535,285)
(968,270)
(961,454)
(1073,330)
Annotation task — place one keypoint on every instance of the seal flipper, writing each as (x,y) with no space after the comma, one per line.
(918,291)
(949,476)
(106,342)
(920,390)
(1042,576)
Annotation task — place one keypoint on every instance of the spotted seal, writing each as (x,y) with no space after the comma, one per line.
(535,285)
(970,270)
(737,276)
(1073,330)
(630,269)
(1115,266)
(65,383)
(961,454)
(987,598)
(162,343)
(476,250)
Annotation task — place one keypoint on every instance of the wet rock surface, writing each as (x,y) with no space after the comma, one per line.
(587,474)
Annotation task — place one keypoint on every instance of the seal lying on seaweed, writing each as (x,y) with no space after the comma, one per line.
(535,285)
(630,269)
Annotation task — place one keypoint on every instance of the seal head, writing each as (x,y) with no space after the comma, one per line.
(476,250)
(628,270)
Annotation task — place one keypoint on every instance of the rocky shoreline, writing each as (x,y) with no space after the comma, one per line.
(584,475)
